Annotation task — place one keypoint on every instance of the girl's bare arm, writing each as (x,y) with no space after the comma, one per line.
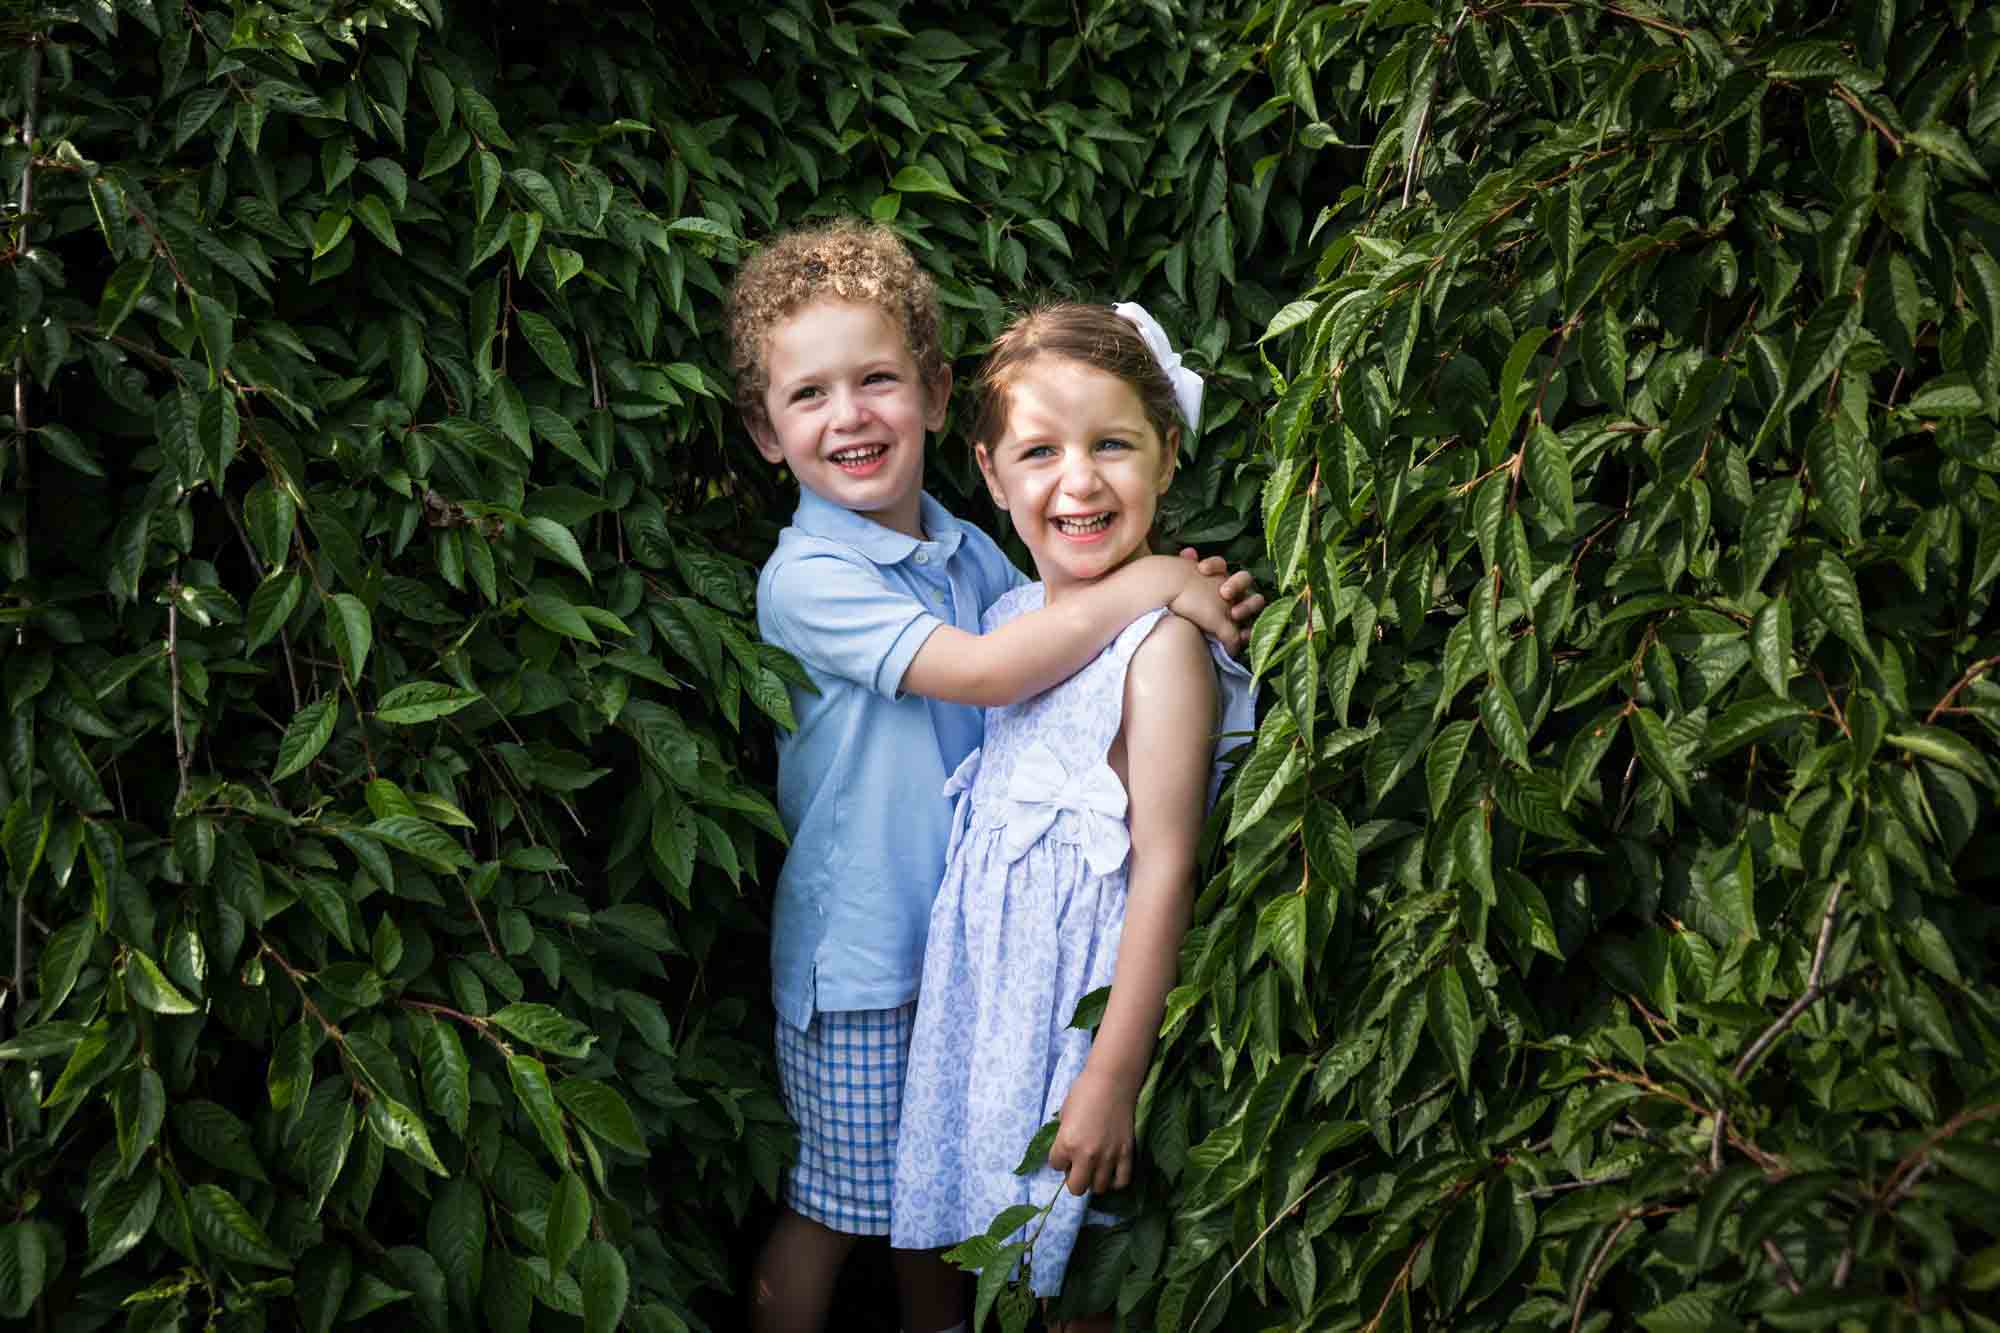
(1169,743)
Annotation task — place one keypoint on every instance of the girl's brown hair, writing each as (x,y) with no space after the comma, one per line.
(847,260)
(1092,335)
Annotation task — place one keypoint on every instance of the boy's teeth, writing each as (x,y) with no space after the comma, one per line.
(862,455)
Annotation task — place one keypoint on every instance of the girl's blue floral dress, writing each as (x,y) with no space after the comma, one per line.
(1026,923)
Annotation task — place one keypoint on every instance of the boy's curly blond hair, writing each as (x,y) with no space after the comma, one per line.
(846,260)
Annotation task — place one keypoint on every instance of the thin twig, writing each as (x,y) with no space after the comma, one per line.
(181,756)
(1785,1273)
(1972,673)
(1251,1249)
(1815,987)
(27,215)
(1903,1179)
(1596,1264)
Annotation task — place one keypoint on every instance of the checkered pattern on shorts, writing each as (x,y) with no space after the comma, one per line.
(842,1077)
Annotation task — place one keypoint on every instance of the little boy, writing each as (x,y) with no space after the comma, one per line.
(877,590)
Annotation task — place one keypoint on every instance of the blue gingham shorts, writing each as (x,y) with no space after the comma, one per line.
(842,1077)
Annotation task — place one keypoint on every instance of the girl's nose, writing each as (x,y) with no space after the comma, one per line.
(1080,475)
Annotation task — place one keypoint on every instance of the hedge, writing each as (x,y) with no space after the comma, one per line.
(1598,934)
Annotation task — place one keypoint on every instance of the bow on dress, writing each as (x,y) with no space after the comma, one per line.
(1042,789)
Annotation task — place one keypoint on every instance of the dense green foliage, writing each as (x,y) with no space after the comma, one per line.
(1607,937)
(1596,934)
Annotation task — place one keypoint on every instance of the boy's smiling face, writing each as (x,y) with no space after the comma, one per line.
(847,411)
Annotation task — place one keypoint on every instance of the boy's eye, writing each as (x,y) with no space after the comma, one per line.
(881,377)
(1038,451)
(1112,442)
(804,392)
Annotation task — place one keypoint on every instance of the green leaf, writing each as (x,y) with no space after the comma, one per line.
(24,1267)
(270,606)
(149,988)
(374,214)
(421,839)
(550,346)
(530,1080)
(567,1222)
(121,294)
(1501,717)
(1587,749)
(1450,1015)
(121,1220)
(560,542)
(598,1108)
(1548,467)
(307,734)
(352,631)
(422,701)
(1649,737)
(1526,912)
(1747,721)
(455,1235)
(139,1107)
(214,1133)
(446,1073)
(922,180)
(1822,346)
(546,1027)
(1835,465)
(63,956)
(325,1134)
(403,1129)
(600,1272)
(1771,644)
(226,1227)
(1828,589)
(269,516)
(1945,747)
(1281,929)
(559,617)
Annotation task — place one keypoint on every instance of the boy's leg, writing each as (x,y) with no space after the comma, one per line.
(932,1291)
(792,1285)
(842,1078)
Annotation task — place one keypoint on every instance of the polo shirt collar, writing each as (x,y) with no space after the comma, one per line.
(883,545)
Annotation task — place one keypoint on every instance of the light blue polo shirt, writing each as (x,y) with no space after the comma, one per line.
(860,783)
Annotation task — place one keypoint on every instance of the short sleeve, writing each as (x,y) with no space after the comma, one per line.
(843,619)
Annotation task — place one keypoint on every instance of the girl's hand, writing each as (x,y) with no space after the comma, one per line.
(1093,1146)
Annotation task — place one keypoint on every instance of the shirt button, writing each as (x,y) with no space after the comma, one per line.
(923,557)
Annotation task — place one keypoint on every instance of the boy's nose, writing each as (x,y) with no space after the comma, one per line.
(847,409)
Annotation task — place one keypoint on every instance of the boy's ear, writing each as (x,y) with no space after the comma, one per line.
(937,396)
(765,438)
(992,480)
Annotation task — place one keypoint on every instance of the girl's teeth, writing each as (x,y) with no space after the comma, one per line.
(1086,525)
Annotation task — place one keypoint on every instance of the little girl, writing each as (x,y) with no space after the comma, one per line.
(1072,853)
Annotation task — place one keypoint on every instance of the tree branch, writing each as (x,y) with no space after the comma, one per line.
(1596,1263)
(1815,987)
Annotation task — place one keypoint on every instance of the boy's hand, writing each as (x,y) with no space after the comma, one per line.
(1211,598)
(1238,589)
(1093,1146)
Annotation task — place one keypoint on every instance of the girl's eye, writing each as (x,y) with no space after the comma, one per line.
(882,377)
(1113,443)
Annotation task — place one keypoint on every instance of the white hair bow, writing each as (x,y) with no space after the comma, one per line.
(1187,384)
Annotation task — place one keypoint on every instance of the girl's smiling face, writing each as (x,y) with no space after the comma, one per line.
(1078,468)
